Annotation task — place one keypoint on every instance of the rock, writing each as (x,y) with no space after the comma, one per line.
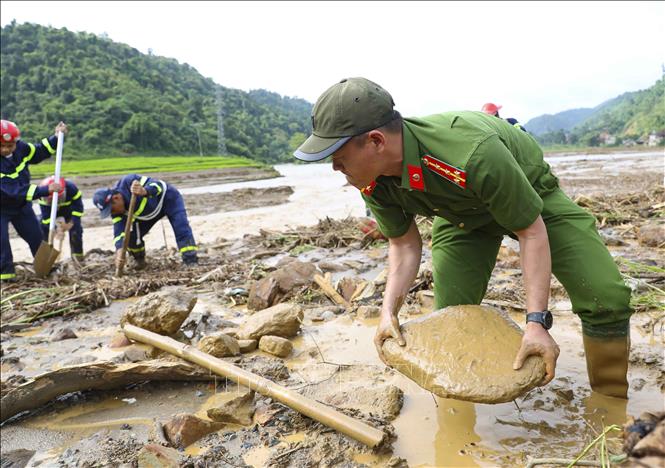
(140,352)
(264,366)
(185,429)
(275,345)
(156,456)
(16,458)
(162,312)
(466,353)
(280,320)
(368,312)
(651,234)
(328,315)
(426,300)
(611,239)
(64,334)
(384,401)
(652,444)
(287,280)
(347,286)
(219,345)
(247,346)
(238,410)
(119,341)
(262,294)
(329,266)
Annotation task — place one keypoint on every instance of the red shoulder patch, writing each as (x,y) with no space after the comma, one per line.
(416,181)
(369,189)
(448,172)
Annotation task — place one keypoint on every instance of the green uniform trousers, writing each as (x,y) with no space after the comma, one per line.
(463,262)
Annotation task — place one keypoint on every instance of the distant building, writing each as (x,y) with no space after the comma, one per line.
(655,139)
(606,138)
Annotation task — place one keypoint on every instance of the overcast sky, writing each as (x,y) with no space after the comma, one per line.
(532,58)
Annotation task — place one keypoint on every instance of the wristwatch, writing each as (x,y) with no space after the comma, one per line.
(544,318)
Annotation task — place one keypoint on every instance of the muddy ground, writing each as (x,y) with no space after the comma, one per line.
(333,359)
(183,179)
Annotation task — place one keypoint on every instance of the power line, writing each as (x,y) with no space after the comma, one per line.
(221,140)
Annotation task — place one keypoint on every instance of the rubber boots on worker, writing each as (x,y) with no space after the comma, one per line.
(607,364)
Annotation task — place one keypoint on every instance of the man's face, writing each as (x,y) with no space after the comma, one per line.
(355,160)
(7,147)
(117,205)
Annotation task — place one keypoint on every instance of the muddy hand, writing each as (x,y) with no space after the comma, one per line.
(138,189)
(538,342)
(54,187)
(388,328)
(64,227)
(61,127)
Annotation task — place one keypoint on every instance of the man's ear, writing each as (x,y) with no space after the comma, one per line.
(377,138)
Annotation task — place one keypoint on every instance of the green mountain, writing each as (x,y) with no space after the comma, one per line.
(118,101)
(565,120)
(633,115)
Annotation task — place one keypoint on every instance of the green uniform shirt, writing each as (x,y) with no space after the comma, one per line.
(473,169)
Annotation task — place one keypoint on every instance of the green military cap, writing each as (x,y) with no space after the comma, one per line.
(348,108)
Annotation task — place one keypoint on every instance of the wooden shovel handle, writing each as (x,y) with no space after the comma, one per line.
(128,230)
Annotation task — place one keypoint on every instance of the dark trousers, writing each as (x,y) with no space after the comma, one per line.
(25,222)
(75,233)
(174,209)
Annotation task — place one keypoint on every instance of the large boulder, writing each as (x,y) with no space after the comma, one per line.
(237,410)
(281,284)
(161,312)
(466,353)
(281,320)
(219,345)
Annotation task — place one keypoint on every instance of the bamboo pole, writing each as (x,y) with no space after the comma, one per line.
(353,428)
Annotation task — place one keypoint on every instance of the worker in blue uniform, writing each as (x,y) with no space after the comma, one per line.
(17,193)
(70,208)
(155,199)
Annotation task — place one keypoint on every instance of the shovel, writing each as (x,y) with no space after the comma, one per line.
(125,241)
(47,254)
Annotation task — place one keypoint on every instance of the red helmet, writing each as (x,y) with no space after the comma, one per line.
(61,193)
(491,109)
(9,131)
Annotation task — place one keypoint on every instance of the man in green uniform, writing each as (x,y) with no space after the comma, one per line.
(480,178)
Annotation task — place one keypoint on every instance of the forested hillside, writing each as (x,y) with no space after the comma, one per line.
(118,101)
(630,116)
(565,120)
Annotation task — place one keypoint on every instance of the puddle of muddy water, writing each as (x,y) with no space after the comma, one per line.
(441,432)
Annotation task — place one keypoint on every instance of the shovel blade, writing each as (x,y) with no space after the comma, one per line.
(44,259)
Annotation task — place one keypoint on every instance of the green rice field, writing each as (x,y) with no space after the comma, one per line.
(141,164)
